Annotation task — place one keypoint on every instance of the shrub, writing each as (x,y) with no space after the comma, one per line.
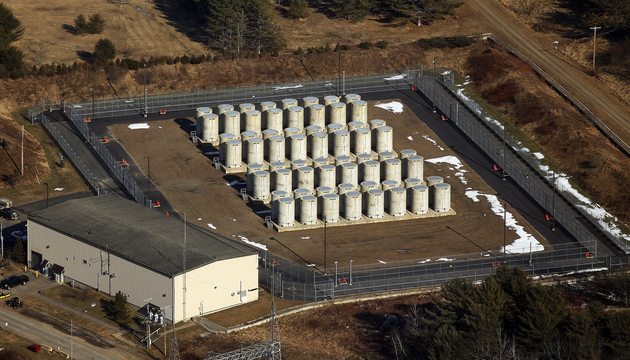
(382,44)
(104,51)
(298,9)
(299,51)
(366,45)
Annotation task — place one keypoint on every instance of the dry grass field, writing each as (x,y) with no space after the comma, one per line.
(192,186)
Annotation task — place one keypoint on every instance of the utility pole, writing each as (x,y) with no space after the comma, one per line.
(594,28)
(339,74)
(148,178)
(146,105)
(504,154)
(92,92)
(325,243)
(22,167)
(1,240)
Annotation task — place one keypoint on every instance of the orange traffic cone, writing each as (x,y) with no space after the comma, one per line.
(157,204)
(104,140)
(167,214)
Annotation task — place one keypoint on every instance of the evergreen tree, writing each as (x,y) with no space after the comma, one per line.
(11,29)
(18,254)
(104,51)
(11,62)
(80,25)
(95,24)
(611,14)
(354,10)
(298,9)
(120,308)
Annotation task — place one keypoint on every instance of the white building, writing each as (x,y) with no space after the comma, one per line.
(113,244)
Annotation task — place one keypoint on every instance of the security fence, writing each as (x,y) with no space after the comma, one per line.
(113,166)
(303,283)
(93,180)
(522,167)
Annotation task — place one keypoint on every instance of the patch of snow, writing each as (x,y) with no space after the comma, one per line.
(138,126)
(525,241)
(571,273)
(58,189)
(305,237)
(394,106)
(433,141)
(445,259)
(252,243)
(410,138)
(211,226)
(233,219)
(310,265)
(424,261)
(538,155)
(288,87)
(450,159)
(446,72)
(382,262)
(476,108)
(232,183)
(199,219)
(395,77)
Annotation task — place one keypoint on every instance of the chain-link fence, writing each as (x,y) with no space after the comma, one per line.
(113,166)
(73,156)
(307,283)
(522,167)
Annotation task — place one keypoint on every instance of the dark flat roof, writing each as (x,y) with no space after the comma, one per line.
(138,234)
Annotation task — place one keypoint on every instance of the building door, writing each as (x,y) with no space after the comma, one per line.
(36,260)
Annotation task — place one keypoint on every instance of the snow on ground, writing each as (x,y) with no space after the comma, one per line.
(288,87)
(212,226)
(394,106)
(433,141)
(570,273)
(382,262)
(236,182)
(424,261)
(603,217)
(252,243)
(395,77)
(410,138)
(58,189)
(525,240)
(305,237)
(138,126)
(445,259)
(450,159)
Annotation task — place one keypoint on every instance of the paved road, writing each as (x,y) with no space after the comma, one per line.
(591,92)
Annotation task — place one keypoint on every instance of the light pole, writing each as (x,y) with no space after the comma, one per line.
(504,230)
(350,272)
(146,105)
(553,203)
(434,80)
(339,77)
(594,28)
(92,92)
(1,240)
(46,193)
(325,267)
(336,276)
(504,154)
(148,178)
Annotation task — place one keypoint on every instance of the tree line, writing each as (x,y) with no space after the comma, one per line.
(508,317)
(420,10)
(610,14)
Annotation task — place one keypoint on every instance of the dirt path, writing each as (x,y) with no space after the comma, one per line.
(538,48)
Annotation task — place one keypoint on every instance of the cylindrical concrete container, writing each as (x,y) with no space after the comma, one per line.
(201,111)
(362,143)
(376,123)
(300,193)
(283,180)
(350,173)
(323,190)
(337,113)
(298,147)
(348,98)
(251,169)
(442,197)
(295,117)
(370,171)
(312,129)
(326,176)
(330,99)
(266,105)
(384,139)
(310,100)
(223,139)
(330,208)
(275,149)
(261,185)
(245,107)
(290,131)
(414,167)
(246,135)
(210,127)
(306,178)
(340,160)
(369,185)
(341,143)
(276,165)
(392,170)
(319,145)
(317,115)
(359,111)
(353,125)
(375,204)
(361,158)
(253,121)
(433,180)
(234,154)
(255,151)
(419,203)
(223,108)
(274,119)
(344,188)
(382,156)
(279,194)
(287,103)
(388,184)
(317,162)
(296,164)
(308,210)
(411,182)
(397,202)
(266,134)
(352,206)
(407,153)
(331,128)
(286,212)
(230,123)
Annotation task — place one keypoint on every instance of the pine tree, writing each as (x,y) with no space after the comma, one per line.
(80,25)
(298,9)
(95,24)
(11,62)
(11,29)
(104,51)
